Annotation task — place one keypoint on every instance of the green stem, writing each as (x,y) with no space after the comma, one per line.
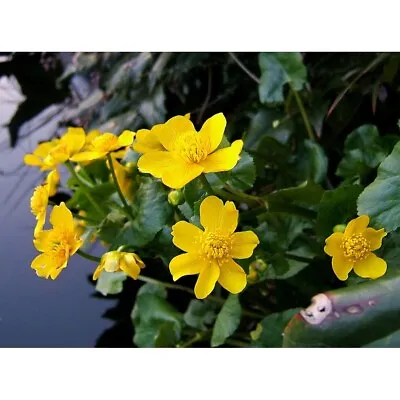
(206,184)
(247,197)
(236,343)
(198,337)
(298,258)
(121,196)
(303,113)
(84,189)
(88,256)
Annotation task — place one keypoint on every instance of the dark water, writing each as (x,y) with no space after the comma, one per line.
(35,312)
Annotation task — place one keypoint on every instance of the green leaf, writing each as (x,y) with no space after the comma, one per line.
(157,323)
(277,69)
(350,317)
(390,252)
(200,313)
(243,175)
(151,212)
(110,282)
(363,151)
(193,191)
(389,341)
(380,200)
(272,327)
(306,193)
(311,162)
(337,206)
(227,321)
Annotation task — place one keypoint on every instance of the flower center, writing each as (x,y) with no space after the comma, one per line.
(356,247)
(215,246)
(104,142)
(58,254)
(190,147)
(39,200)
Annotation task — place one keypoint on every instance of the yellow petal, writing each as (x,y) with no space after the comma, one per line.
(53,179)
(186,236)
(224,159)
(155,162)
(342,266)
(374,237)
(42,241)
(357,226)
(44,148)
(372,267)
(77,243)
(243,244)
(97,272)
(206,281)
(180,173)
(74,139)
(40,223)
(333,243)
(215,216)
(30,159)
(61,216)
(40,265)
(129,265)
(212,131)
(172,129)
(186,264)
(147,140)
(232,277)
(125,138)
(88,156)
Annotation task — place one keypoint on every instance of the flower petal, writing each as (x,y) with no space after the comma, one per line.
(212,131)
(75,139)
(372,267)
(243,244)
(180,173)
(186,264)
(232,277)
(88,156)
(224,159)
(374,237)
(147,140)
(206,281)
(172,129)
(53,179)
(186,236)
(357,226)
(42,241)
(125,138)
(62,216)
(97,272)
(342,266)
(40,223)
(214,215)
(155,162)
(333,243)
(30,159)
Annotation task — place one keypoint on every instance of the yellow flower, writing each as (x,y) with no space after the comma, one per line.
(39,155)
(353,250)
(123,178)
(39,202)
(146,140)
(189,153)
(89,139)
(116,261)
(57,245)
(103,144)
(53,180)
(210,252)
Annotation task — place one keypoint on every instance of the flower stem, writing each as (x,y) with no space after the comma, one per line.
(198,337)
(206,184)
(236,343)
(88,256)
(121,196)
(303,113)
(84,189)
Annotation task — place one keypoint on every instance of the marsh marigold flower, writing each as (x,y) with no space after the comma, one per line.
(57,244)
(189,153)
(49,154)
(103,144)
(353,248)
(210,253)
(117,261)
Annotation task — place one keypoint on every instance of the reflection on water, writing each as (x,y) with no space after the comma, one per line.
(36,312)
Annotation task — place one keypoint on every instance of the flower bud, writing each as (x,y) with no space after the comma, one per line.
(175,197)
(339,228)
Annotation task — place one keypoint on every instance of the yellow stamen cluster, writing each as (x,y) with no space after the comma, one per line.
(216,246)
(191,148)
(356,247)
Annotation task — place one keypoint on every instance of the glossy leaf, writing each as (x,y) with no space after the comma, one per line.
(200,313)
(227,321)
(110,282)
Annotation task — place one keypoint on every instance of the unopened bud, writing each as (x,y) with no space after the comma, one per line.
(131,165)
(339,228)
(175,197)
(259,265)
